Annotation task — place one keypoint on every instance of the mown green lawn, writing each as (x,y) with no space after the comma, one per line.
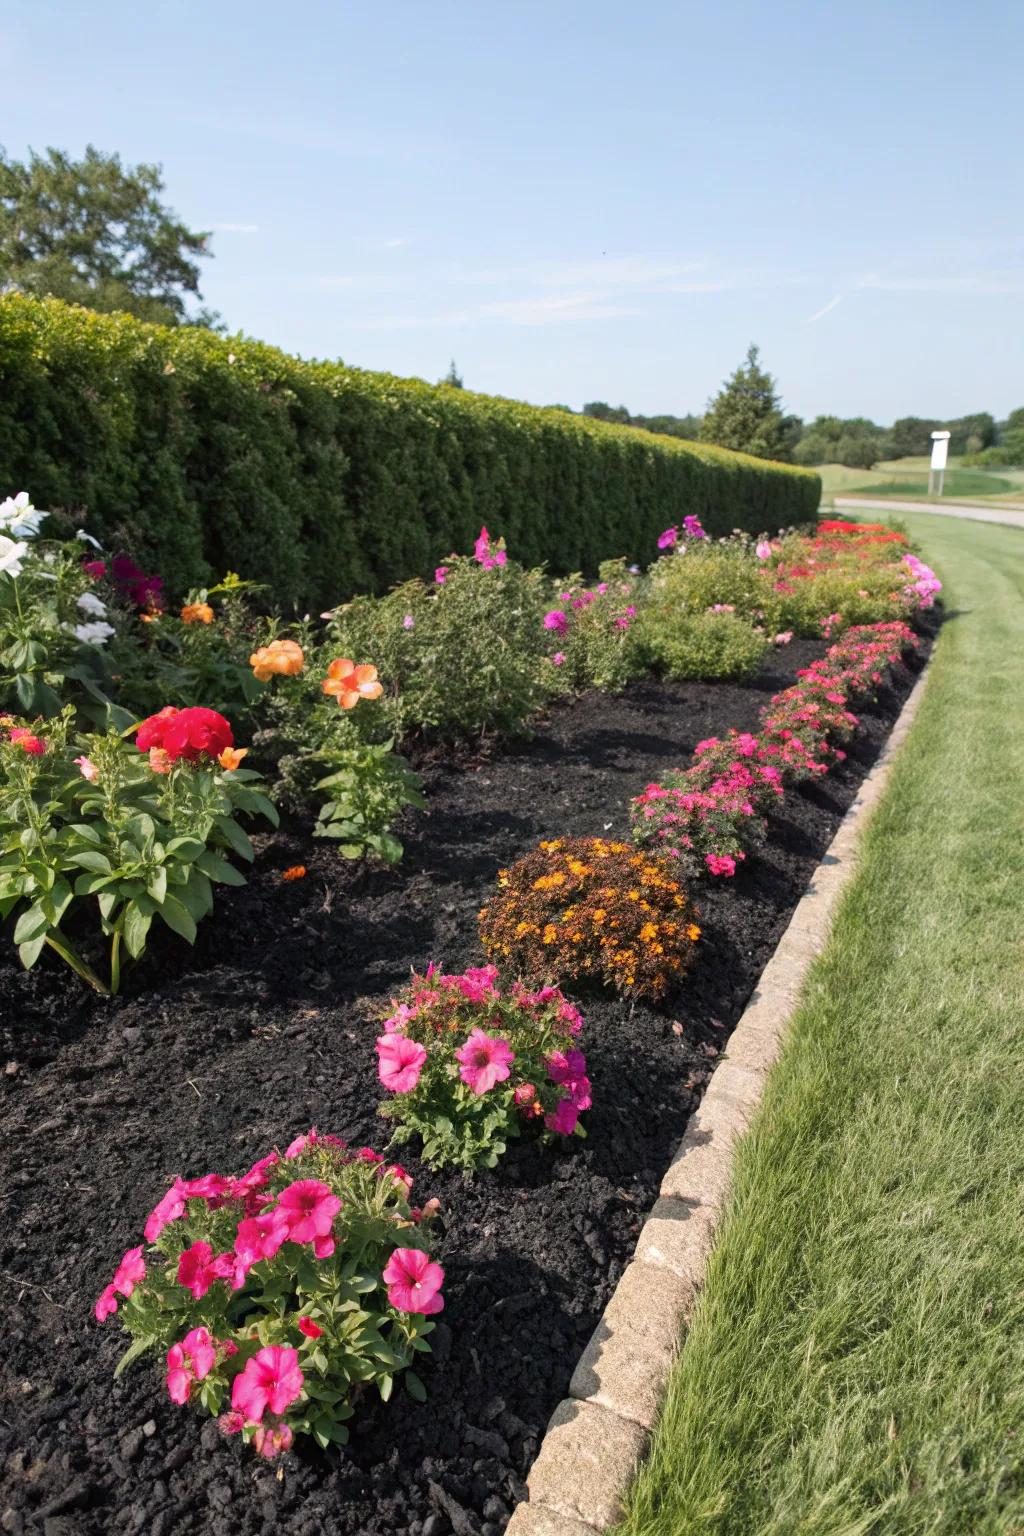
(908,478)
(857,1362)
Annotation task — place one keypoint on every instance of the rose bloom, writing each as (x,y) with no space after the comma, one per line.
(348,683)
(184,733)
(284,658)
(197,613)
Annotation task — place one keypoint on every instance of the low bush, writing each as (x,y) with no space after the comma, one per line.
(712,647)
(281,1296)
(710,817)
(585,908)
(590,631)
(461,656)
(468,1064)
(143,828)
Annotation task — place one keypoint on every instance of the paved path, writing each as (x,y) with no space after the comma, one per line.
(1011,516)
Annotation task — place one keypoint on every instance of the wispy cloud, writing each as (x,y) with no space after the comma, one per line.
(237,229)
(1000,280)
(826,309)
(392,245)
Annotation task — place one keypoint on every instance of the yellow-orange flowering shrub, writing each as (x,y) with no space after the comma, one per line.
(585,907)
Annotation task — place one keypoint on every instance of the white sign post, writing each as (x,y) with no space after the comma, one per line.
(940,448)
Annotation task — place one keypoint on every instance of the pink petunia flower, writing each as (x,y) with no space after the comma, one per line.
(414,1282)
(763,550)
(569,1070)
(165,1211)
(309,1209)
(441,575)
(87,768)
(563,1121)
(106,1304)
(558,659)
(130,1272)
(400,1062)
(485,1060)
(272,1442)
(271,1379)
(668,539)
(198,1268)
(557,620)
(720,864)
(191,1360)
(307,1326)
(260,1237)
(301,1143)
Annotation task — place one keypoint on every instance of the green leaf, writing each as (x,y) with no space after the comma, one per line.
(176,916)
(156,885)
(91,859)
(235,837)
(31,924)
(219,869)
(415,1387)
(25,689)
(136,1348)
(136,930)
(185,849)
(29,952)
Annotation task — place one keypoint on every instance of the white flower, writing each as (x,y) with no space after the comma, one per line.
(11,556)
(19,517)
(96,633)
(90,603)
(87,538)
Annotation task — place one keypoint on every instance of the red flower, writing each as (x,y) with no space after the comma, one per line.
(186,733)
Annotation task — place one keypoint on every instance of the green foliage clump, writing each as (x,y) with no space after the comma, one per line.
(712,647)
(200,453)
(746,416)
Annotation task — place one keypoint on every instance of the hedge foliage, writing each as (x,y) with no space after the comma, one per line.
(203,453)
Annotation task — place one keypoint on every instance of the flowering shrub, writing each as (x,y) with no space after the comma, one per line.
(200,651)
(925,586)
(797,724)
(53,626)
(141,827)
(587,908)
(713,815)
(280,1296)
(591,631)
(467,1064)
(460,656)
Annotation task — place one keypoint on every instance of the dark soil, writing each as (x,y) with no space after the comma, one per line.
(213,1056)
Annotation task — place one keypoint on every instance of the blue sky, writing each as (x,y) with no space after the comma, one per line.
(578,200)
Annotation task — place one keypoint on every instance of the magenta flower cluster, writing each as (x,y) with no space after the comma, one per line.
(711,816)
(467,1064)
(293,1226)
(691,529)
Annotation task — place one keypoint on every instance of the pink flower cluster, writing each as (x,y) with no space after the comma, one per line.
(247,1235)
(711,816)
(691,529)
(486,554)
(21,736)
(463,1029)
(925,586)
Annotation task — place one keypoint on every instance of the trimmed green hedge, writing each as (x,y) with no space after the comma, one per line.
(204,454)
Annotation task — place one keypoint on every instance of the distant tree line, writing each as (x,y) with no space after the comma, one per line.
(747,415)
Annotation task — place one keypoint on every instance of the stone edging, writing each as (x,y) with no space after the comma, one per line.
(598,1434)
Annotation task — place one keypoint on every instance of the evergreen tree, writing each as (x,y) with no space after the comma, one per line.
(95,232)
(453,377)
(745,414)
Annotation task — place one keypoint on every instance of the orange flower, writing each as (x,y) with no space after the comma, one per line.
(349,683)
(197,613)
(283,657)
(231,757)
(159,760)
(296,872)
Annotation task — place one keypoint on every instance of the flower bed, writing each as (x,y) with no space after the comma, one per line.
(270,1024)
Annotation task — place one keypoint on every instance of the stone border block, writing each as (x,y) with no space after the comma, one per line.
(585,1463)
